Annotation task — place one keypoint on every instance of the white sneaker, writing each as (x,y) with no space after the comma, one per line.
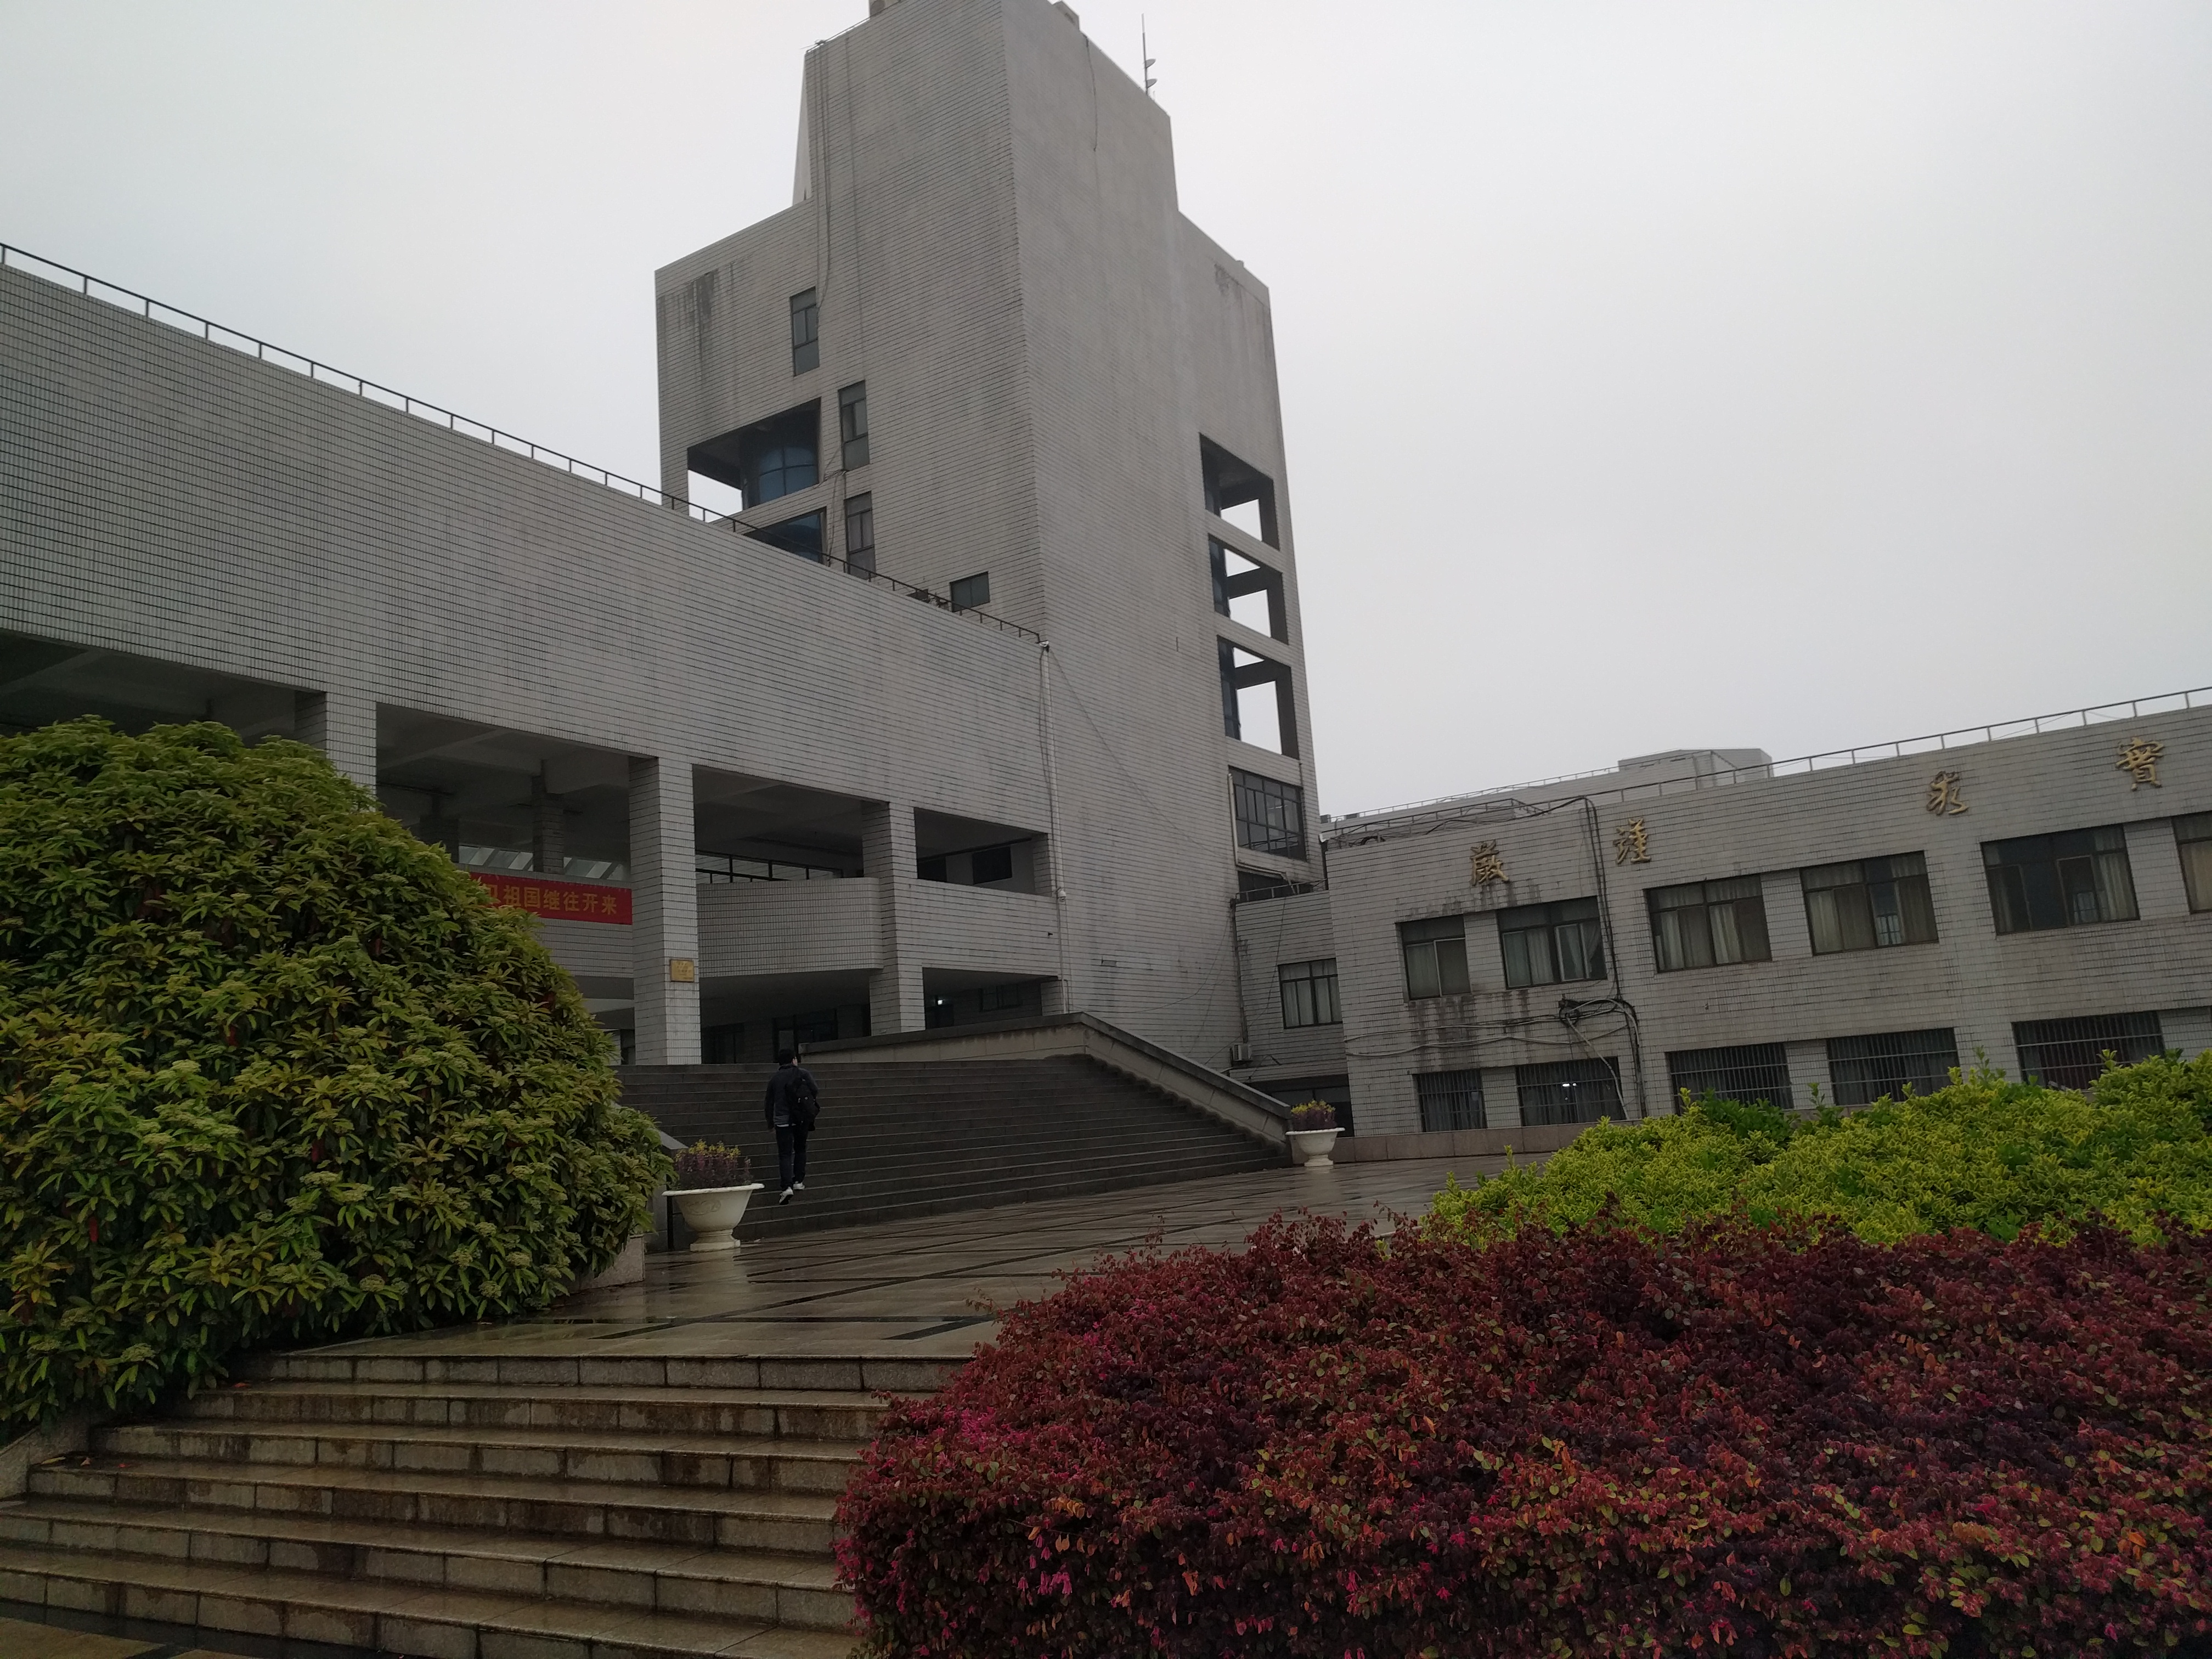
(798,1186)
(785,1199)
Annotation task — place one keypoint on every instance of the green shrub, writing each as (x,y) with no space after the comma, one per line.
(271,1071)
(1982,1153)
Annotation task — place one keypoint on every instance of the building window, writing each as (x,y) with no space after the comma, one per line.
(972,593)
(1267,884)
(801,535)
(860,532)
(722,1045)
(1309,992)
(991,863)
(806,333)
(1238,492)
(1709,924)
(852,424)
(2194,836)
(771,458)
(1247,591)
(1569,1091)
(1271,817)
(1863,1069)
(2064,880)
(1269,717)
(2069,1054)
(1755,1072)
(1435,956)
(1545,944)
(1002,998)
(1449,1100)
(1868,904)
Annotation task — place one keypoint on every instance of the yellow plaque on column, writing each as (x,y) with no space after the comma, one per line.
(681,970)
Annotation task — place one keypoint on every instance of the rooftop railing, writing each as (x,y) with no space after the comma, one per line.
(1360,826)
(156,311)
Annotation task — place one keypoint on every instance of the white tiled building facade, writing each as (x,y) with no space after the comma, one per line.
(988,699)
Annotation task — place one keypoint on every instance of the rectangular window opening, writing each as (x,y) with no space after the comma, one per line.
(806,333)
(972,593)
(1709,924)
(860,533)
(1248,592)
(1752,1073)
(1238,492)
(1569,1091)
(713,495)
(2069,1054)
(2066,880)
(1258,705)
(2193,836)
(1308,990)
(1271,816)
(1550,944)
(1435,952)
(1868,904)
(769,458)
(801,535)
(852,424)
(1449,1100)
(1864,1069)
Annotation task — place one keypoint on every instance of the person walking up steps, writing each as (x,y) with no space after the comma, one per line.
(794,1104)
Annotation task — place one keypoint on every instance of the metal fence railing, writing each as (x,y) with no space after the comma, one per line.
(1394,820)
(156,311)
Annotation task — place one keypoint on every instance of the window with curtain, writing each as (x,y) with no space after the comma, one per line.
(1308,993)
(1709,924)
(1546,944)
(1450,1100)
(1435,956)
(2069,1054)
(2194,836)
(1569,1091)
(1863,1069)
(2065,880)
(1868,904)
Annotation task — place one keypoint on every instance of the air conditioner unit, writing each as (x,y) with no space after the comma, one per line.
(1239,1054)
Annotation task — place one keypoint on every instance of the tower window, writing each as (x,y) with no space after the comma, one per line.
(1238,492)
(1259,704)
(852,424)
(971,592)
(1271,817)
(1247,591)
(860,532)
(769,459)
(805,332)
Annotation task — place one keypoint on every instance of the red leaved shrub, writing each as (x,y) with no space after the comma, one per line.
(1740,1439)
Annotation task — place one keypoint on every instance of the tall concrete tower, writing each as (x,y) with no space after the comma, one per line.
(983,352)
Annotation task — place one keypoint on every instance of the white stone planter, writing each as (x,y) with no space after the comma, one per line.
(713,1212)
(1310,1148)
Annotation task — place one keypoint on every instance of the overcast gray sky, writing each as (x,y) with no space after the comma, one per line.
(1787,375)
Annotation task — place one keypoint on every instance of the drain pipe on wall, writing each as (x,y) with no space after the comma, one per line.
(1052,823)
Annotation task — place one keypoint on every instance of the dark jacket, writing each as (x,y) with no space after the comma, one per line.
(783,1097)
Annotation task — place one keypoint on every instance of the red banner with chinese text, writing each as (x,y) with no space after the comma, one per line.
(561,901)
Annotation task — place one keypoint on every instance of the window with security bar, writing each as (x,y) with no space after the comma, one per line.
(1435,951)
(1546,944)
(2193,836)
(1868,904)
(2065,880)
(1751,1072)
(1309,992)
(2069,1054)
(1271,817)
(1449,1100)
(1709,924)
(1569,1091)
(1864,1069)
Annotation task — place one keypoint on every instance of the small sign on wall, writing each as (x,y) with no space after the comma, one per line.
(558,901)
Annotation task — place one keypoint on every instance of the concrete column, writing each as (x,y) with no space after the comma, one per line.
(344,727)
(1501,1097)
(549,831)
(664,912)
(1809,1065)
(895,1000)
(1049,878)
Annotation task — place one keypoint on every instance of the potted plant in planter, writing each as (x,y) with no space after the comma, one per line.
(712,1187)
(1313,1131)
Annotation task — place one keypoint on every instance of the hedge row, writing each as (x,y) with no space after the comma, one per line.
(271,1071)
(2135,1153)
(1596,1441)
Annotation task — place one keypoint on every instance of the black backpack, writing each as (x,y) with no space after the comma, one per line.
(806,1101)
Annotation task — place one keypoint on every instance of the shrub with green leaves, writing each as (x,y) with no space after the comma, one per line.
(1984,1153)
(272,1071)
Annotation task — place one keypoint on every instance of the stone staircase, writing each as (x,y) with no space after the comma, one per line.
(907,1138)
(473,1508)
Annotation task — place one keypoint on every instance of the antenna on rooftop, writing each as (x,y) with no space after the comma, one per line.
(1144,51)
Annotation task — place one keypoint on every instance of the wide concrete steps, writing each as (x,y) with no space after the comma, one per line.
(385,1617)
(805,1413)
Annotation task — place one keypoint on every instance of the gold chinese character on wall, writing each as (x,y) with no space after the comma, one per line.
(1631,843)
(1487,865)
(1943,798)
(2139,760)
